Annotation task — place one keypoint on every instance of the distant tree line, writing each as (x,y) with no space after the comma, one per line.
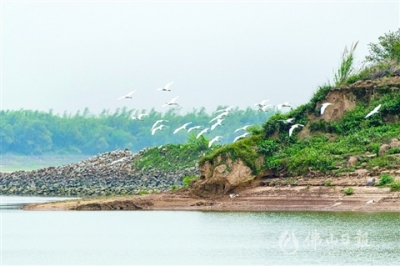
(28,132)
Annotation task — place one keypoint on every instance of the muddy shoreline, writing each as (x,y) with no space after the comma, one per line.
(284,198)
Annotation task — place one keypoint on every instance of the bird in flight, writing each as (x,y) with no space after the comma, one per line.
(218,123)
(242,128)
(241,136)
(182,127)
(202,132)
(128,96)
(160,127)
(172,102)
(166,87)
(217,138)
(138,117)
(287,121)
(194,128)
(157,122)
(293,127)
(323,107)
(285,104)
(261,104)
(227,109)
(221,115)
(373,111)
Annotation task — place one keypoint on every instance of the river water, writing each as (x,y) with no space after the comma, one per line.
(196,238)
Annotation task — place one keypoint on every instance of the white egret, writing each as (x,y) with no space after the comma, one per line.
(220,116)
(287,121)
(202,132)
(243,128)
(293,127)
(373,111)
(217,138)
(194,128)
(157,122)
(233,195)
(285,104)
(166,87)
(160,127)
(128,96)
(182,127)
(261,104)
(265,108)
(241,136)
(172,102)
(323,107)
(218,123)
(138,117)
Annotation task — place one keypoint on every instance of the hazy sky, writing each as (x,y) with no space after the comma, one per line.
(66,56)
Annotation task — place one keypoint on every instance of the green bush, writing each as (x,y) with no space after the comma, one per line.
(385,180)
(395,186)
(187,179)
(349,191)
(387,48)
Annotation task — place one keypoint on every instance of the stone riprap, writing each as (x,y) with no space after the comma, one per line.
(111,173)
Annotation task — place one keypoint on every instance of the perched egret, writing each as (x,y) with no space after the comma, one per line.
(217,138)
(157,122)
(323,107)
(241,136)
(160,127)
(182,127)
(373,111)
(233,195)
(172,102)
(243,128)
(218,123)
(138,117)
(166,87)
(194,128)
(287,121)
(202,132)
(128,96)
(293,127)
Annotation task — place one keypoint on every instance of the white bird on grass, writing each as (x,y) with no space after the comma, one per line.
(138,117)
(373,111)
(241,136)
(293,127)
(194,128)
(128,96)
(172,102)
(166,87)
(202,132)
(220,116)
(158,122)
(243,128)
(160,127)
(182,127)
(227,109)
(218,123)
(323,107)
(287,121)
(217,138)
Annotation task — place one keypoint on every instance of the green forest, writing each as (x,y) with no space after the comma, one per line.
(28,132)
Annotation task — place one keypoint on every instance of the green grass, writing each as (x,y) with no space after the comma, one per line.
(395,186)
(385,180)
(348,191)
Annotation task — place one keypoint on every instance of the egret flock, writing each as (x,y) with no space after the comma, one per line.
(223,113)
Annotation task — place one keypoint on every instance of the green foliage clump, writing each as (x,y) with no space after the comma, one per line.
(349,191)
(395,186)
(188,179)
(387,48)
(385,180)
(346,67)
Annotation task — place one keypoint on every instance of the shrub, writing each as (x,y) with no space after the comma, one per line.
(395,186)
(385,180)
(346,67)
(349,191)
(187,179)
(387,48)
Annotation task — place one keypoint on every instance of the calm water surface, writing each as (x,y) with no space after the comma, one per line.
(198,238)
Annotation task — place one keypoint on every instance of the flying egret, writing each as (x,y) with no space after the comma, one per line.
(243,128)
(166,87)
(227,109)
(217,138)
(220,116)
(194,128)
(172,102)
(285,104)
(157,122)
(128,96)
(182,127)
(265,108)
(202,132)
(293,127)
(218,123)
(287,121)
(138,117)
(323,107)
(373,111)
(160,127)
(261,104)
(241,136)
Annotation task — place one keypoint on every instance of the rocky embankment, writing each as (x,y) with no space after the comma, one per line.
(111,173)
